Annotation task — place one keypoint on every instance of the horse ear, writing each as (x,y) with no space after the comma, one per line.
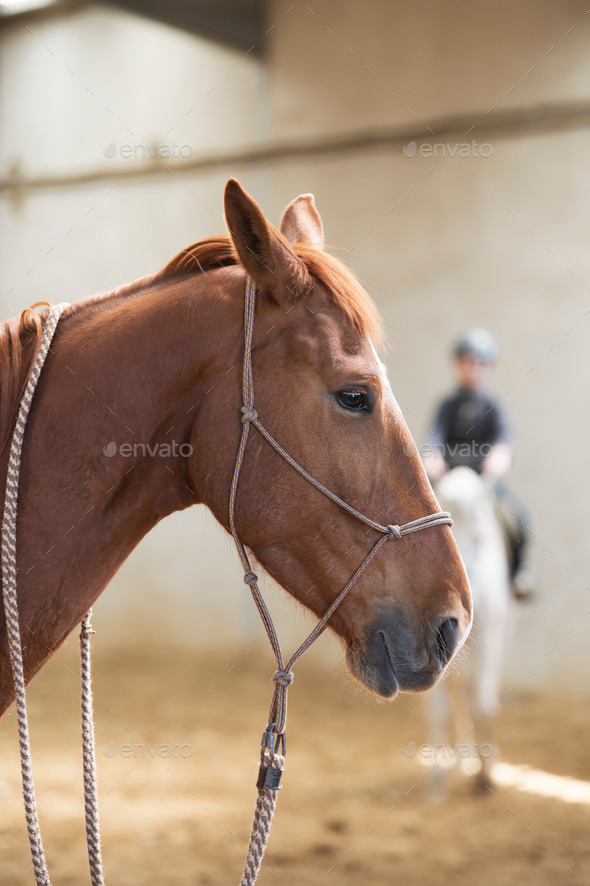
(301,222)
(263,251)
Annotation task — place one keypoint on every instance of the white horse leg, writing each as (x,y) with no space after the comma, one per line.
(460,686)
(438,705)
(486,701)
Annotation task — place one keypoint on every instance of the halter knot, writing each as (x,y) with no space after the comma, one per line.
(249,414)
(250,578)
(283,678)
(394,532)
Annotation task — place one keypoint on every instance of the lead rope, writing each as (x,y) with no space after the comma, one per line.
(89,757)
(273,743)
(9,591)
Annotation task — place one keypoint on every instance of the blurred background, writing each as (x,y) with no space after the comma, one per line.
(447,146)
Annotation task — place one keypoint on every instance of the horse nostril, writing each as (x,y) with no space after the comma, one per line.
(446,639)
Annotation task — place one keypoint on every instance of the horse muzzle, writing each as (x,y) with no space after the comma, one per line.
(393,655)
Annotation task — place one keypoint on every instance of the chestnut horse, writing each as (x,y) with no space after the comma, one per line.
(158,362)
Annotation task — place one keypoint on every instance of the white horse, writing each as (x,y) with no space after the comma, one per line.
(462,708)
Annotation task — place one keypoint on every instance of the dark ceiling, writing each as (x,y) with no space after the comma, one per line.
(237,23)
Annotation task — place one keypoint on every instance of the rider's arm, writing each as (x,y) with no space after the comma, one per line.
(434,448)
(498,462)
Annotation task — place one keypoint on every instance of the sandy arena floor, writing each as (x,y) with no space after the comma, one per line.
(178,738)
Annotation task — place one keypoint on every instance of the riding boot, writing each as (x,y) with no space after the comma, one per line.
(517,534)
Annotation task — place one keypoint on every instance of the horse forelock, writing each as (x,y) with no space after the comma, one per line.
(344,290)
(339,282)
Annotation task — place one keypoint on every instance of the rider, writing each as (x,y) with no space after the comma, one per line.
(472,428)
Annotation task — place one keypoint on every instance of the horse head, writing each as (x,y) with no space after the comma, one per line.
(323,393)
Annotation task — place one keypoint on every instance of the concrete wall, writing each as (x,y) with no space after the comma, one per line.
(99,81)
(441,242)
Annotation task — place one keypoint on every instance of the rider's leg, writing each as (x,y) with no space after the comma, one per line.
(516,523)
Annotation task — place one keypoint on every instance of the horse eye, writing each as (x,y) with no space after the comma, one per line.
(354,400)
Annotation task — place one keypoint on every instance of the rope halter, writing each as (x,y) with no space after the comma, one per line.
(273,738)
(282,678)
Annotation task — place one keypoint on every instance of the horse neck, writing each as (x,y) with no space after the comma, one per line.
(127,369)
(480,540)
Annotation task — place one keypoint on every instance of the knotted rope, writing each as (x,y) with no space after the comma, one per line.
(274,736)
(266,802)
(9,591)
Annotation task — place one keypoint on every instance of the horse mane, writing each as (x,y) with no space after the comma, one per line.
(23,335)
(16,337)
(340,283)
(213,252)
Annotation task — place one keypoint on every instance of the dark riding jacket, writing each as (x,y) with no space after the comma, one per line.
(466,426)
